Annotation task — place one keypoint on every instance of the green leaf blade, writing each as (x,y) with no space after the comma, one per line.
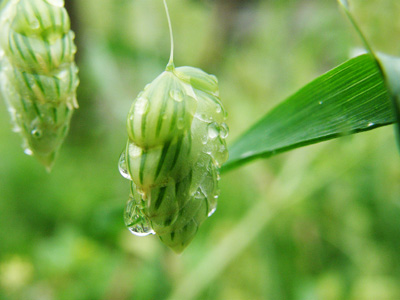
(348,99)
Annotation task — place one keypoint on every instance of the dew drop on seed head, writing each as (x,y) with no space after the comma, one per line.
(212,211)
(177,95)
(63,75)
(36,133)
(28,151)
(224,131)
(135,221)
(203,117)
(141,105)
(213,131)
(199,194)
(122,166)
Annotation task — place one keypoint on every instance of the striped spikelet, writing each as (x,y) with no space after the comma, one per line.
(38,77)
(176,145)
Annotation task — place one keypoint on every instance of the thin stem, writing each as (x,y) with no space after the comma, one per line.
(171,57)
(345,5)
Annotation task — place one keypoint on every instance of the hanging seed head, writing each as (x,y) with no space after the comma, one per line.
(38,77)
(176,145)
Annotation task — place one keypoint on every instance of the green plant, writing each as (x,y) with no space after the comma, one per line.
(176,145)
(38,73)
(176,130)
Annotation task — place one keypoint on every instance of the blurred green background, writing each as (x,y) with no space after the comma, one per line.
(322,222)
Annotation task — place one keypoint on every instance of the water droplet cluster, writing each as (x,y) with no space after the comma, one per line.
(177,131)
(38,77)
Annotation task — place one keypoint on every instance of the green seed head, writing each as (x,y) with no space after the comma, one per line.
(38,74)
(176,145)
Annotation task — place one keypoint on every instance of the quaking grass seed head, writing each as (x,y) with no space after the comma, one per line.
(175,147)
(174,166)
(38,77)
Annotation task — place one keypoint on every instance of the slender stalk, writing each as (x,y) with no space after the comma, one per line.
(170,64)
(345,6)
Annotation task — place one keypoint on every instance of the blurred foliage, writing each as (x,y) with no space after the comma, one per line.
(329,227)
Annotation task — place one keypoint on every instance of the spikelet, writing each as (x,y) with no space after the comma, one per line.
(38,77)
(175,148)
(176,145)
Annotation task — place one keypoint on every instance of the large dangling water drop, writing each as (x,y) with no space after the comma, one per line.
(135,221)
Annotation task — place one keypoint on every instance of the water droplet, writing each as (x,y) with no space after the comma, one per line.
(212,211)
(320,102)
(204,118)
(28,151)
(370,124)
(134,219)
(36,133)
(177,95)
(213,131)
(218,109)
(63,75)
(58,3)
(141,105)
(122,167)
(199,194)
(224,131)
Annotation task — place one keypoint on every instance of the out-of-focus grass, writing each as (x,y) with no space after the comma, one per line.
(62,234)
